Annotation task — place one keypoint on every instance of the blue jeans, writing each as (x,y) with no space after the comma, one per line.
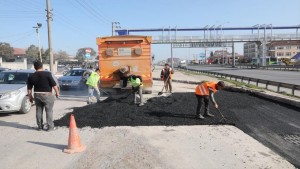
(44,100)
(91,92)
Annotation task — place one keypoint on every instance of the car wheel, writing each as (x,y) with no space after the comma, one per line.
(26,105)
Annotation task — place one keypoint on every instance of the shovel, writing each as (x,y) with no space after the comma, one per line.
(161,92)
(224,120)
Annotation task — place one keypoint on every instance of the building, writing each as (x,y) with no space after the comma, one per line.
(250,50)
(278,49)
(283,49)
(19,54)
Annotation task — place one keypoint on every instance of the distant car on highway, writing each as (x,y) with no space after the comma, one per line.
(3,69)
(13,91)
(72,79)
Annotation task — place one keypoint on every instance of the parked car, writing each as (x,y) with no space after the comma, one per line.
(13,91)
(72,79)
(3,69)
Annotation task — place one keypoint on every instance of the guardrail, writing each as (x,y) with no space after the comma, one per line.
(270,67)
(293,87)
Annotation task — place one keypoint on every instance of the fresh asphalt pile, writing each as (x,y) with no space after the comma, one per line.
(173,110)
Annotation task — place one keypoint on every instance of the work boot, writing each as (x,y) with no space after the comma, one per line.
(208,114)
(199,116)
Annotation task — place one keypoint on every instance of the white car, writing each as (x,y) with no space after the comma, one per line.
(13,91)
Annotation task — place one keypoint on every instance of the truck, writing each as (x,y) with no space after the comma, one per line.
(121,56)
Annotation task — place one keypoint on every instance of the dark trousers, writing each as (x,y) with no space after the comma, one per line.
(168,84)
(137,90)
(44,101)
(200,100)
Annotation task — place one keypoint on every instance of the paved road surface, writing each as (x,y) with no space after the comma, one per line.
(272,75)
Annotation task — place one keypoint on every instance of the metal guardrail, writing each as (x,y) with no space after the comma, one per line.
(270,67)
(293,87)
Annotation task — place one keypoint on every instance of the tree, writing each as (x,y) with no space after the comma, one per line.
(45,55)
(32,53)
(80,55)
(61,56)
(6,51)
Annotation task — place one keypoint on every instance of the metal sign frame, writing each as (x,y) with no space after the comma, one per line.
(201,45)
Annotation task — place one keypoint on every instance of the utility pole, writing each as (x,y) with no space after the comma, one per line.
(39,25)
(49,22)
(114,25)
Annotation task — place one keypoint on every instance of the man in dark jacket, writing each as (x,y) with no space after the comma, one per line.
(43,82)
(166,76)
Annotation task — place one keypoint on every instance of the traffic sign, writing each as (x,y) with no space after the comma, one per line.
(88,50)
(87,55)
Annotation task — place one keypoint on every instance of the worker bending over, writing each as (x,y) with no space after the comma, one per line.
(205,92)
(136,83)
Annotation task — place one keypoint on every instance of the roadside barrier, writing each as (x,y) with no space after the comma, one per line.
(267,83)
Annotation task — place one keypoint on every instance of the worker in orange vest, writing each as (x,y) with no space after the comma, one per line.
(205,92)
(166,76)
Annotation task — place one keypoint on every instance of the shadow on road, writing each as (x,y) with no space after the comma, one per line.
(56,146)
(15,125)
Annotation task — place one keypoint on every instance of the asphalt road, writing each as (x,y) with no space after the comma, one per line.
(272,75)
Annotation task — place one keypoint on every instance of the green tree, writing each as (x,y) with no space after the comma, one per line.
(80,55)
(46,55)
(6,51)
(32,53)
(61,56)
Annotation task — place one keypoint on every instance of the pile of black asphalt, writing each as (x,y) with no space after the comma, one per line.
(173,110)
(270,122)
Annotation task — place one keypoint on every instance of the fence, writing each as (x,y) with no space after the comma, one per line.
(270,67)
(25,65)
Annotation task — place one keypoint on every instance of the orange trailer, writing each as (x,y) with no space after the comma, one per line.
(124,55)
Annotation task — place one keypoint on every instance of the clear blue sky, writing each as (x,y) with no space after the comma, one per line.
(77,23)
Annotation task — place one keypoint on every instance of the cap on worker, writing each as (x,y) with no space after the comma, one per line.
(221,84)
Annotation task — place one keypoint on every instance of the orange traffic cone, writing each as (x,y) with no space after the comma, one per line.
(74,145)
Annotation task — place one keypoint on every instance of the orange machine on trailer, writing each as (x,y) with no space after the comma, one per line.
(120,56)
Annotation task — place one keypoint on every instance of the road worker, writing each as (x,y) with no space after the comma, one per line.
(93,82)
(205,92)
(136,83)
(166,76)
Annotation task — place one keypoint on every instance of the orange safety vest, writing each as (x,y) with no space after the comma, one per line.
(170,73)
(203,88)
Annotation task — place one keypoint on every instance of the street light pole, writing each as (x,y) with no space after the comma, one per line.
(39,25)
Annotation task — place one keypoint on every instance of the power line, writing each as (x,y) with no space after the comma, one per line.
(23,37)
(63,20)
(96,12)
(14,35)
(86,10)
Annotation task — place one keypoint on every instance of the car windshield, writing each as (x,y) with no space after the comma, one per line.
(75,73)
(14,77)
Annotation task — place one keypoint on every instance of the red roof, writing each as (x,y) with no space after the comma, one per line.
(19,52)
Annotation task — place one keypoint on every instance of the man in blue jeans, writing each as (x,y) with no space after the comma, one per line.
(43,82)
(93,82)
